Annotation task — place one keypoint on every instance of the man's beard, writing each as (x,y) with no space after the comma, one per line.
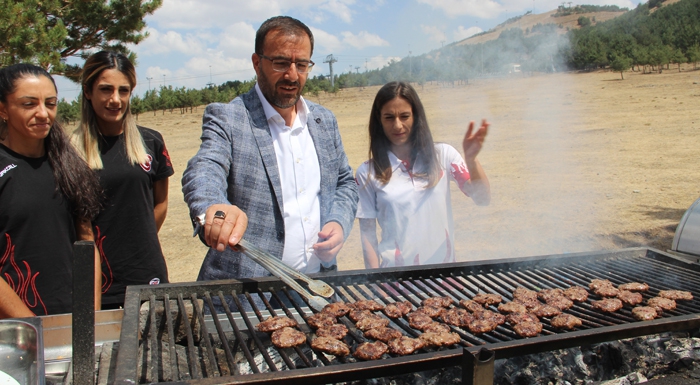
(273,97)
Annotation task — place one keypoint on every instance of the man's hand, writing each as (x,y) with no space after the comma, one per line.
(227,231)
(331,240)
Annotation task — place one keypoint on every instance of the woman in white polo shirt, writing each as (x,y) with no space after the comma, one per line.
(404,186)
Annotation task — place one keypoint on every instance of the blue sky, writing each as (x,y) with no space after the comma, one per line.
(194,42)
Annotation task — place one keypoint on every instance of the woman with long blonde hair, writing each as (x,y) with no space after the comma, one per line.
(133,166)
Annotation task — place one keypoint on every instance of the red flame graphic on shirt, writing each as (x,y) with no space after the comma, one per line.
(25,287)
(460,173)
(147,166)
(398,258)
(167,157)
(107,279)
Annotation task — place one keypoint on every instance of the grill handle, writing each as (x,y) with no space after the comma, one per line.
(477,368)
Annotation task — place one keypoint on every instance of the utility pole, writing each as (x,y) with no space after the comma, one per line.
(365,65)
(163,80)
(357,70)
(410,64)
(149,82)
(330,60)
(211,83)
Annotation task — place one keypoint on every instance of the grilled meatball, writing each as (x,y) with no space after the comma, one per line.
(566,321)
(372,321)
(561,302)
(488,299)
(337,331)
(644,313)
(287,337)
(479,326)
(598,283)
(607,305)
(331,346)
(368,304)
(383,334)
(546,294)
(607,291)
(398,309)
(457,316)
(357,315)
(370,350)
(274,323)
(544,310)
(419,320)
(629,297)
(320,320)
(498,318)
(518,317)
(436,327)
(528,303)
(512,307)
(337,309)
(528,329)
(440,339)
(634,286)
(576,293)
(438,302)
(660,304)
(405,345)
(524,294)
(676,295)
(431,311)
(471,305)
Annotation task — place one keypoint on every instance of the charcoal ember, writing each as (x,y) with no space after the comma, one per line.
(405,345)
(566,321)
(599,283)
(524,295)
(437,327)
(179,324)
(321,320)
(398,309)
(357,315)
(479,326)
(644,313)
(440,339)
(528,329)
(630,298)
(512,307)
(337,309)
(419,320)
(576,293)
(457,317)
(546,294)
(331,346)
(438,302)
(287,337)
(431,311)
(518,317)
(561,302)
(337,331)
(471,305)
(634,286)
(372,321)
(383,334)
(160,369)
(676,295)
(368,304)
(544,310)
(608,305)
(370,350)
(275,323)
(661,304)
(487,299)
(607,291)
(498,318)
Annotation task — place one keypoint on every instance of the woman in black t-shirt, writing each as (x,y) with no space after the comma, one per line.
(48,196)
(133,166)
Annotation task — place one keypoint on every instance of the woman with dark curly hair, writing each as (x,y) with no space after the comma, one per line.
(404,186)
(48,196)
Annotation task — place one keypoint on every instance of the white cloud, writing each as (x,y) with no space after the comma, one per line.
(462,33)
(195,14)
(237,40)
(325,42)
(480,8)
(378,62)
(433,33)
(363,39)
(158,43)
(339,8)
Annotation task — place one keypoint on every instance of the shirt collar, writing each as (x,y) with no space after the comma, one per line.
(271,113)
(395,162)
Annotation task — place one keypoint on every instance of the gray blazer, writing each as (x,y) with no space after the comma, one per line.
(236,164)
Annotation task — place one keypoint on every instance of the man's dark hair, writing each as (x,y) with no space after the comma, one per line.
(284,24)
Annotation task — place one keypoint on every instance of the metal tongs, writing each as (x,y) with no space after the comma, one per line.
(280,270)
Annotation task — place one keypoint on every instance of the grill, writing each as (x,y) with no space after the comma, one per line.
(230,351)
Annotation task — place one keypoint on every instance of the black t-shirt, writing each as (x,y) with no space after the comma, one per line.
(125,231)
(36,234)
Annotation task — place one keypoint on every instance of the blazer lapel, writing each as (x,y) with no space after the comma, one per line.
(261,132)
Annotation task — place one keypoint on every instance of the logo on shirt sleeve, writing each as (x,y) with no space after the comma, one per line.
(147,165)
(6,169)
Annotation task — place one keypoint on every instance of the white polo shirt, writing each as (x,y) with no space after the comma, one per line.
(300,176)
(416,223)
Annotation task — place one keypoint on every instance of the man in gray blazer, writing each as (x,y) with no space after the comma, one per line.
(271,167)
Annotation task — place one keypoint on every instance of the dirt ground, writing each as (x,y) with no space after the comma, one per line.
(577,162)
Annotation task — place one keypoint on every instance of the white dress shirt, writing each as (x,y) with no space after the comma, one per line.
(300,176)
